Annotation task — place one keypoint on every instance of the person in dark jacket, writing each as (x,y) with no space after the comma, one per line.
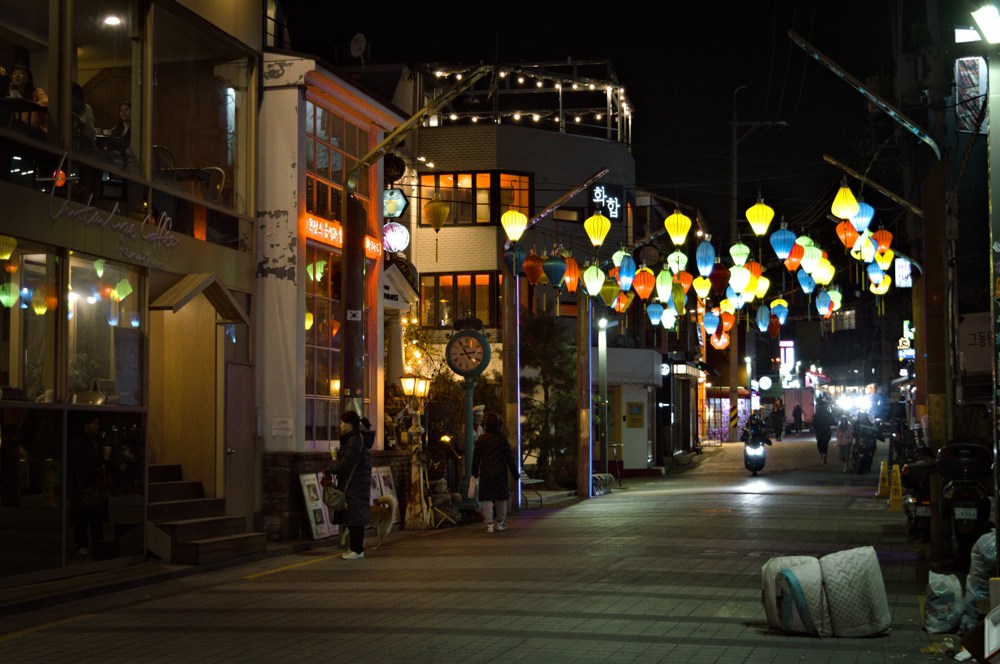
(822,421)
(492,458)
(353,468)
(778,419)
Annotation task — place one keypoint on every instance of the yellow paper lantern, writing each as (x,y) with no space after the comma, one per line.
(763,283)
(514,222)
(845,205)
(739,277)
(597,227)
(884,258)
(677,225)
(702,286)
(593,279)
(760,215)
(609,291)
(7,246)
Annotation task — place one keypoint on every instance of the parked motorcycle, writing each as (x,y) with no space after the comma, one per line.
(965,470)
(915,477)
(754,442)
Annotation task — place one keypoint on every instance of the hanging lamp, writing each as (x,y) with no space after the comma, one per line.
(677,225)
(794,257)
(760,215)
(654,310)
(845,205)
(514,258)
(702,286)
(597,227)
(863,217)
(533,268)
(782,241)
(593,280)
(643,282)
(705,258)
(763,317)
(572,276)
(711,321)
(664,283)
(514,223)
(436,213)
(626,271)
(739,253)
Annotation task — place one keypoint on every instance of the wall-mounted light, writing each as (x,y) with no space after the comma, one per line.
(988,21)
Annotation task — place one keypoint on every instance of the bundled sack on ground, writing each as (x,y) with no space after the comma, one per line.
(977,582)
(943,604)
(840,594)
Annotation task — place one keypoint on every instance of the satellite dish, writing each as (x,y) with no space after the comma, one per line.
(358,44)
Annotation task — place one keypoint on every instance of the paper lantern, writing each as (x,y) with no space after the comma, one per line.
(727,319)
(740,253)
(514,258)
(616,257)
(664,284)
(823,303)
(726,305)
(807,283)
(644,282)
(774,327)
(514,223)
(750,291)
(863,217)
(626,271)
(836,297)
(720,340)
(882,287)
(739,277)
(654,311)
(782,241)
(883,238)
(780,311)
(554,267)
(9,294)
(755,268)
(875,273)
(884,258)
(38,303)
(711,321)
(668,319)
(810,258)
(113,312)
(7,246)
(760,215)
(847,233)
(533,268)
(572,276)
(763,318)
(593,280)
(824,272)
(677,261)
(436,214)
(677,226)
(719,278)
(678,300)
(702,286)
(735,299)
(684,279)
(763,283)
(845,205)
(794,257)
(704,257)
(609,291)
(395,237)
(597,227)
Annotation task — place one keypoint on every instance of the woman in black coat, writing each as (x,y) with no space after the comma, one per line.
(492,457)
(356,440)
(822,421)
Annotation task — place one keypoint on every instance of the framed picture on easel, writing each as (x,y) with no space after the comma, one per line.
(320,521)
(386,488)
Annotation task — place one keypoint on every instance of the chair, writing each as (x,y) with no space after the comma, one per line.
(89,397)
(216,182)
(163,159)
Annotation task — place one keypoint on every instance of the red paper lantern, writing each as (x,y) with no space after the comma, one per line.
(643,282)
(720,340)
(728,320)
(533,268)
(719,278)
(847,233)
(774,327)
(572,276)
(685,279)
(795,257)
(756,269)
(883,237)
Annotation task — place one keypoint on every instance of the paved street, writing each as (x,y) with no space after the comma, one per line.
(664,569)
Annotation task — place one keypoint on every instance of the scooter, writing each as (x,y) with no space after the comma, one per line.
(863,448)
(965,471)
(915,477)
(754,448)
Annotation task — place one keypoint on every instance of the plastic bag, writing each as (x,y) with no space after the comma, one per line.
(977,583)
(943,603)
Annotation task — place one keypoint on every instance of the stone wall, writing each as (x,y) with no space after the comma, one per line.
(283,514)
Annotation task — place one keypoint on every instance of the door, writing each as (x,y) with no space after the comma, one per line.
(240,448)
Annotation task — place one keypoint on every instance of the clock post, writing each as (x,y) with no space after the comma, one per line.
(468,354)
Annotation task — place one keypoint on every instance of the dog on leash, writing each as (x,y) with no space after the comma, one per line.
(380,517)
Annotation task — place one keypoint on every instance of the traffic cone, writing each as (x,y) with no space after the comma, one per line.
(896,491)
(883,481)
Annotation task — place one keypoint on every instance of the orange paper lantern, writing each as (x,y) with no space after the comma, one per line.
(795,257)
(572,276)
(643,282)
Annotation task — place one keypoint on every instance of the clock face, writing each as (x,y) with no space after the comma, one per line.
(467,354)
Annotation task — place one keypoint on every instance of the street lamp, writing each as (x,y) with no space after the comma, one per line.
(415,389)
(603,325)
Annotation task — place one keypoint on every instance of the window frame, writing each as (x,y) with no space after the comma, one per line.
(463,190)
(493,305)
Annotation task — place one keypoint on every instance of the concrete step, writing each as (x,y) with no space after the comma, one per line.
(165,472)
(175,490)
(188,530)
(176,510)
(199,552)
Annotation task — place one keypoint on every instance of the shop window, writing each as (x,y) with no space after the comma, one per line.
(445,298)
(105,331)
(30,68)
(201,104)
(476,198)
(324,318)
(29,304)
(333,147)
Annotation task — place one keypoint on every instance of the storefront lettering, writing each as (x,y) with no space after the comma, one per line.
(155,231)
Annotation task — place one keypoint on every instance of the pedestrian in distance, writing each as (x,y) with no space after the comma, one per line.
(778,419)
(797,417)
(845,437)
(822,422)
(353,469)
(492,459)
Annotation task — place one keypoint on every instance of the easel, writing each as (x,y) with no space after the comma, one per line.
(434,515)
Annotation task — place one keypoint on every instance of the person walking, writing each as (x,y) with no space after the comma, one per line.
(797,417)
(87,485)
(492,458)
(353,468)
(845,436)
(778,419)
(822,421)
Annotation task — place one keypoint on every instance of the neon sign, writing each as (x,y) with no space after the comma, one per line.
(332,233)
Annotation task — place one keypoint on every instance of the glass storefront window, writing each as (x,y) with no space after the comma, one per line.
(324,315)
(333,147)
(29,295)
(200,137)
(106,115)
(105,335)
(476,197)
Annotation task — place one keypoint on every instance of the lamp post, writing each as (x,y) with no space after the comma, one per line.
(415,388)
(603,325)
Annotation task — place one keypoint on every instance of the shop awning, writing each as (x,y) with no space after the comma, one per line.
(207,284)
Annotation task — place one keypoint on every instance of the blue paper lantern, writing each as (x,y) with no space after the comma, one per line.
(823,303)
(626,272)
(780,312)
(782,241)
(554,267)
(806,281)
(711,321)
(875,273)
(705,258)
(763,317)
(514,258)
(655,312)
(863,218)
(734,297)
